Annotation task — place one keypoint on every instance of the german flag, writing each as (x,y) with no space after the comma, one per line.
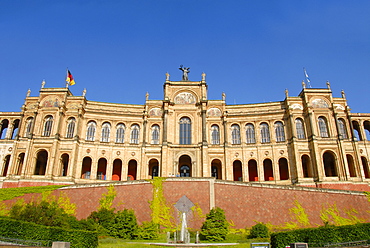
(69,78)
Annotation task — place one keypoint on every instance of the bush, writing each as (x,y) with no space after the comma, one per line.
(259,230)
(122,224)
(318,237)
(30,231)
(148,230)
(215,227)
(43,213)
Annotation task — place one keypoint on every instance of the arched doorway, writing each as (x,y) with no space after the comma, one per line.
(365,167)
(216,169)
(252,170)
(41,162)
(117,169)
(153,168)
(306,166)
(102,169)
(329,164)
(185,169)
(351,166)
(20,163)
(283,169)
(237,170)
(86,168)
(132,167)
(64,164)
(6,165)
(267,170)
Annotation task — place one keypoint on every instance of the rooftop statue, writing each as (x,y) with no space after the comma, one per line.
(185,71)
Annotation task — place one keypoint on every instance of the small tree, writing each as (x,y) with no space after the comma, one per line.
(259,230)
(215,227)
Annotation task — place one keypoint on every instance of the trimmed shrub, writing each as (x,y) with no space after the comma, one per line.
(30,231)
(259,230)
(318,237)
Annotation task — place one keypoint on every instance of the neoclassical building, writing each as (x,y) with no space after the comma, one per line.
(302,140)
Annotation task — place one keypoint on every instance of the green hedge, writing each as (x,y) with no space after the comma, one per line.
(318,237)
(29,231)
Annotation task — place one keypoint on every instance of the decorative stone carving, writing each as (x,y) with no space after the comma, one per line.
(214,112)
(319,103)
(32,106)
(297,106)
(339,106)
(185,98)
(155,112)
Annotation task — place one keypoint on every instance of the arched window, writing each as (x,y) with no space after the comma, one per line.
(215,135)
(279,131)
(185,131)
(90,134)
(356,130)
(235,134)
(342,129)
(120,133)
(4,129)
(135,130)
(155,134)
(300,128)
(265,133)
(47,126)
(105,132)
(71,128)
(250,135)
(367,129)
(323,127)
(15,129)
(29,124)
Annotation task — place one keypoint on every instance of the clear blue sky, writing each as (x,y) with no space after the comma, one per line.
(119,50)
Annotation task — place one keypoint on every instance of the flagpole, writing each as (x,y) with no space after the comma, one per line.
(67,84)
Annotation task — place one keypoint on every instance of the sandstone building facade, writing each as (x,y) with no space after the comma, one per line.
(309,139)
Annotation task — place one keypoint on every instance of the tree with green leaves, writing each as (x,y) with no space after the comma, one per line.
(259,230)
(215,227)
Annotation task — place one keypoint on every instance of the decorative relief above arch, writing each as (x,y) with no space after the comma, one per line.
(155,112)
(214,112)
(50,102)
(185,98)
(339,106)
(72,106)
(32,105)
(319,103)
(297,106)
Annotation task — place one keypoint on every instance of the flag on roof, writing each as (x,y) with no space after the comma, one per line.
(306,75)
(69,78)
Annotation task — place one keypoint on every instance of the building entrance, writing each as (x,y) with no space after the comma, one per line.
(185,166)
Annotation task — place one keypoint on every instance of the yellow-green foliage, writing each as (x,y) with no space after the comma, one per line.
(367,195)
(65,203)
(197,212)
(299,214)
(10,193)
(161,212)
(331,216)
(106,201)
